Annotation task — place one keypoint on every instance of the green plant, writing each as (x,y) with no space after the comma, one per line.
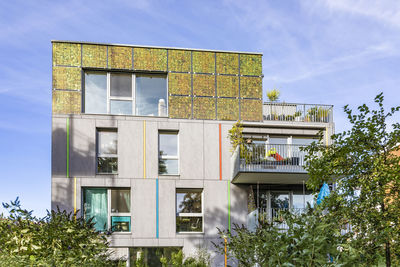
(318,114)
(298,113)
(364,163)
(235,135)
(309,239)
(273,95)
(58,239)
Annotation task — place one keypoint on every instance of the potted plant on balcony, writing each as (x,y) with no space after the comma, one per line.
(273,95)
(317,114)
(297,115)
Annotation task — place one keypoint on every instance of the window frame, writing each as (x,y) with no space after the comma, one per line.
(121,98)
(109,213)
(193,215)
(167,157)
(98,155)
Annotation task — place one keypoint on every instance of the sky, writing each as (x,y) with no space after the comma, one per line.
(314,51)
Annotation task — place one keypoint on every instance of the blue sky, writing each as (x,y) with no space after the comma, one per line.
(333,52)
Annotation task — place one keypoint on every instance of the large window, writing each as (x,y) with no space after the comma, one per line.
(189,210)
(107,152)
(108,207)
(152,256)
(125,94)
(168,160)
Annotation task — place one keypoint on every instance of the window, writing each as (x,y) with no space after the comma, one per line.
(108,207)
(152,256)
(125,94)
(168,160)
(107,156)
(189,210)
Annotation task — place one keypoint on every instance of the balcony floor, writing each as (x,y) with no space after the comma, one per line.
(243,177)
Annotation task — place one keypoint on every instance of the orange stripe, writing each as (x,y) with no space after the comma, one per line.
(220,153)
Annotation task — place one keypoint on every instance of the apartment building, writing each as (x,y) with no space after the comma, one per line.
(140,143)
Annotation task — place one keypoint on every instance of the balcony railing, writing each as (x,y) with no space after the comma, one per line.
(297,112)
(271,158)
(273,215)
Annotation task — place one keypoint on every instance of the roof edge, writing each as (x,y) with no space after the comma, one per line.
(160,47)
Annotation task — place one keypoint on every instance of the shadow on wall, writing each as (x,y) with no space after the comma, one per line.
(218,218)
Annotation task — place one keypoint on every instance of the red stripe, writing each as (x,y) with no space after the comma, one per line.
(220,153)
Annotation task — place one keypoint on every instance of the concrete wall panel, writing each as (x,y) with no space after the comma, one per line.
(191,150)
(215,207)
(167,209)
(130,149)
(144,208)
(211,151)
(82,147)
(59,147)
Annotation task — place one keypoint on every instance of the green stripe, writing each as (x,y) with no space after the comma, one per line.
(67,147)
(229,206)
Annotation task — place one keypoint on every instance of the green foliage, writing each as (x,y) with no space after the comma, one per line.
(235,135)
(201,259)
(364,163)
(312,239)
(55,240)
(317,114)
(273,95)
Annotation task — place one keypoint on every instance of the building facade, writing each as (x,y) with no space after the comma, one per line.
(140,143)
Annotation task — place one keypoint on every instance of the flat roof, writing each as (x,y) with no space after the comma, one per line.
(161,47)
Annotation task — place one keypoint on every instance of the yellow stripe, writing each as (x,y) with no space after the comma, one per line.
(75,198)
(144,149)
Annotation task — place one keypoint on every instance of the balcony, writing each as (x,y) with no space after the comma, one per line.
(297,112)
(269,164)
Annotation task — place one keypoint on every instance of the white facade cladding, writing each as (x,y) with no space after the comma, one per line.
(205,164)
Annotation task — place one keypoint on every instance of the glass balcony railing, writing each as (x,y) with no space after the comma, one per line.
(297,112)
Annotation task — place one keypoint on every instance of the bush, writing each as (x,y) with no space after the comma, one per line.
(58,239)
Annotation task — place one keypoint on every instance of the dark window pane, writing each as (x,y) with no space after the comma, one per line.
(168,144)
(120,200)
(188,202)
(279,200)
(121,107)
(189,224)
(121,223)
(121,85)
(151,92)
(95,93)
(107,165)
(151,256)
(168,166)
(107,142)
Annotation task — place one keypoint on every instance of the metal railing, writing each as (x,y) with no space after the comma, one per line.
(272,158)
(297,112)
(274,215)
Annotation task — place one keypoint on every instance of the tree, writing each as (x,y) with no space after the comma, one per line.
(58,239)
(311,239)
(363,162)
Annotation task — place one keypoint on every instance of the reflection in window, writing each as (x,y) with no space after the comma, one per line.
(151,256)
(168,153)
(107,157)
(125,94)
(95,205)
(96,93)
(189,211)
(151,95)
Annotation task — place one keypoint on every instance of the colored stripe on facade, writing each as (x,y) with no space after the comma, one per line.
(220,153)
(144,149)
(157,209)
(75,197)
(229,206)
(67,147)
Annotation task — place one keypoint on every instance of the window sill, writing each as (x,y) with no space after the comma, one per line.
(190,233)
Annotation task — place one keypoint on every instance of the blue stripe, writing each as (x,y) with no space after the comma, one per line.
(157,218)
